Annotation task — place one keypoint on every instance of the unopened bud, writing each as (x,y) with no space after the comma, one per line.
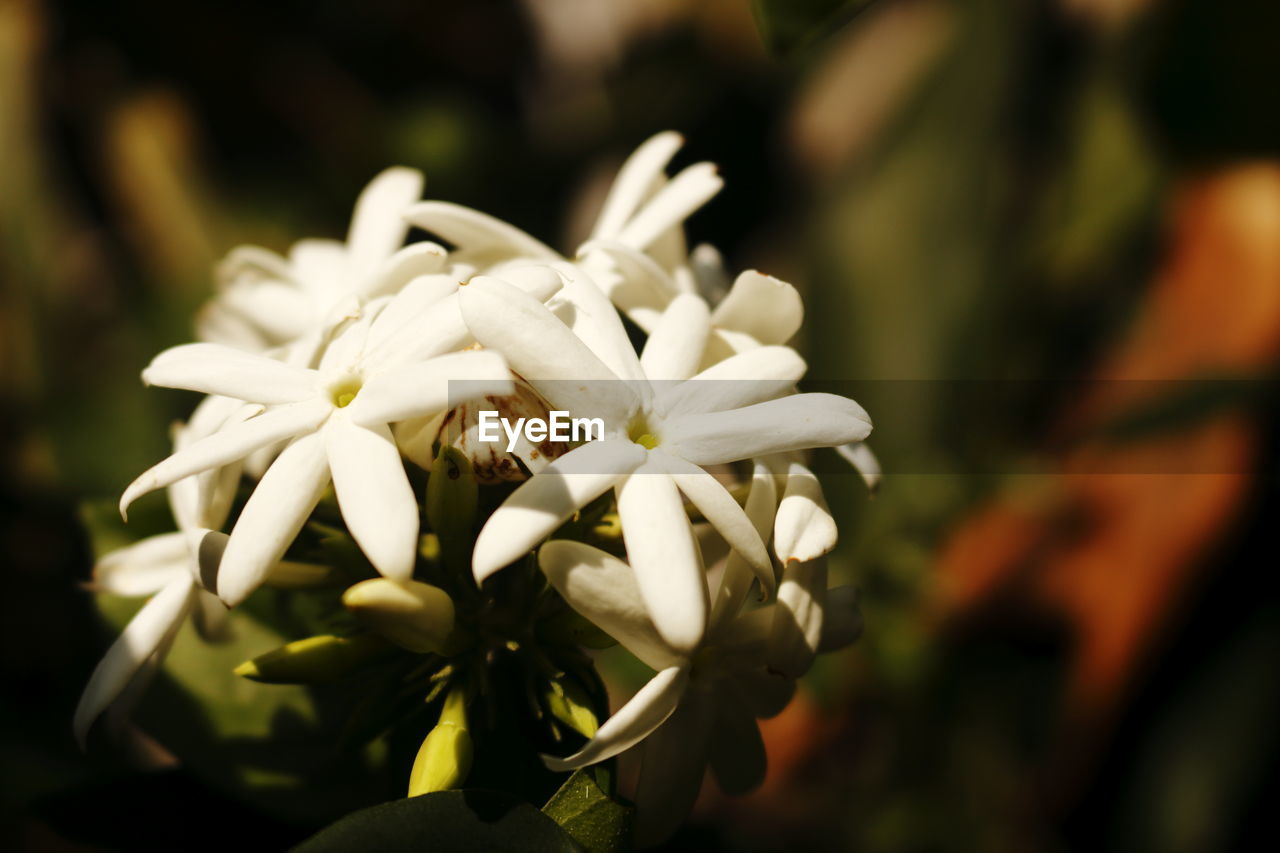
(451,503)
(414,615)
(287,574)
(569,703)
(444,759)
(314,660)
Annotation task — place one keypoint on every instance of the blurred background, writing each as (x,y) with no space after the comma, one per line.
(1039,241)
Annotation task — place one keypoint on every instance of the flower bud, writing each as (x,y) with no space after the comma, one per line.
(314,660)
(287,574)
(569,703)
(444,759)
(414,615)
(451,504)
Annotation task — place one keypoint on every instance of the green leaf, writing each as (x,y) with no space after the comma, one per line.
(442,823)
(599,823)
(789,25)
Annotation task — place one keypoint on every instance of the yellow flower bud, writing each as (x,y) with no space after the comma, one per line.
(444,759)
(314,660)
(414,615)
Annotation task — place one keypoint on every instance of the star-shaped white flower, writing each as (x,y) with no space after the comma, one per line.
(165,567)
(658,438)
(701,706)
(336,418)
(266,301)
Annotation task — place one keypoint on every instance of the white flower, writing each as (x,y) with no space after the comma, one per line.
(165,567)
(266,301)
(701,706)
(383,369)
(658,439)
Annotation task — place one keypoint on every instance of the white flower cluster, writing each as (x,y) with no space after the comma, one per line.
(333,366)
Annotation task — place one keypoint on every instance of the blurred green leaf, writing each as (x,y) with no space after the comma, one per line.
(585,811)
(446,821)
(789,25)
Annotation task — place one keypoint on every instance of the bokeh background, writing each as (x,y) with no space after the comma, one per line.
(1039,240)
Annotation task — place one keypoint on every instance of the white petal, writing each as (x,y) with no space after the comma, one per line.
(538,280)
(596,322)
(728,518)
(374,494)
(842,619)
(631,723)
(436,328)
(144,567)
(217,323)
(254,261)
(636,180)
(664,554)
(139,639)
(274,514)
(544,501)
(671,771)
(321,269)
(629,277)
(672,204)
(217,369)
(205,500)
(377,225)
(211,618)
(406,311)
(475,233)
(749,377)
(431,386)
(543,350)
(804,529)
(864,461)
(675,346)
(229,445)
(277,310)
(796,422)
(766,308)
(603,588)
(413,261)
(797,620)
(735,583)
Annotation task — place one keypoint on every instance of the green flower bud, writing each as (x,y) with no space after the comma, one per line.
(287,574)
(569,703)
(444,759)
(452,494)
(414,615)
(315,660)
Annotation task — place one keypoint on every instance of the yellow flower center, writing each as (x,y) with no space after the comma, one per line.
(640,432)
(345,390)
